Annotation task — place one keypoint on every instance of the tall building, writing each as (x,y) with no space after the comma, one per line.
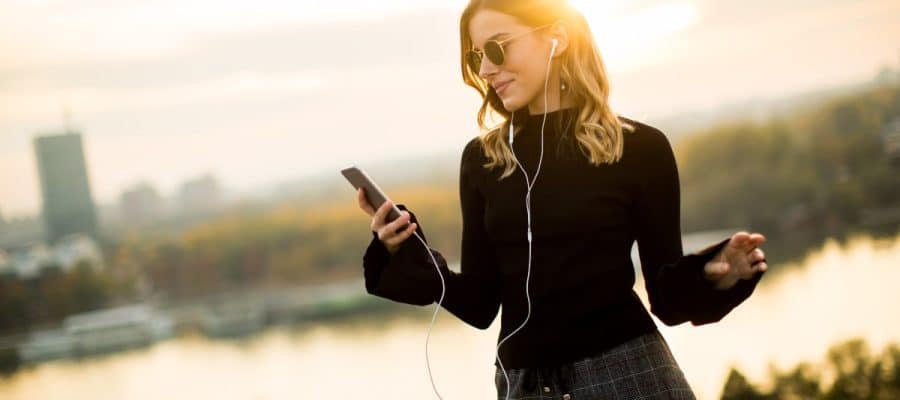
(68,206)
(141,205)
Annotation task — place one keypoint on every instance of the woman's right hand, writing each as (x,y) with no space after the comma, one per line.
(387,232)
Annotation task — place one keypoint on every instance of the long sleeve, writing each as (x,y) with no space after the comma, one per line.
(409,276)
(405,276)
(676,288)
(473,295)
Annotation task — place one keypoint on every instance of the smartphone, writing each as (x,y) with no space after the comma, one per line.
(376,197)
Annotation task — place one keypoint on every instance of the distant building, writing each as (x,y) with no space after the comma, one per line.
(141,205)
(201,196)
(76,248)
(31,261)
(68,206)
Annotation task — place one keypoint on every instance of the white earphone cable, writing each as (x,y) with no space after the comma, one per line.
(529,185)
(433,317)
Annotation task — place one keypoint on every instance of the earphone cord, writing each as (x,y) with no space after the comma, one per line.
(433,317)
(529,184)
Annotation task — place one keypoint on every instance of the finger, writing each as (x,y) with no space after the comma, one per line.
(716,270)
(399,238)
(363,202)
(757,255)
(758,238)
(399,223)
(388,231)
(755,241)
(735,247)
(751,263)
(378,217)
(741,241)
(754,270)
(402,236)
(759,262)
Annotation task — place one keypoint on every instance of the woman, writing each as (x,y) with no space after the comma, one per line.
(549,236)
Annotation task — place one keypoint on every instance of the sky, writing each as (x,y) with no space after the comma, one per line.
(267,91)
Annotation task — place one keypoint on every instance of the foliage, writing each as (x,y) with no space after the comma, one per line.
(850,372)
(812,168)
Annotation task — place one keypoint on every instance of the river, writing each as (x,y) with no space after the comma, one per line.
(836,292)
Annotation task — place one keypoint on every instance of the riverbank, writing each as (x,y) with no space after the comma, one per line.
(226,315)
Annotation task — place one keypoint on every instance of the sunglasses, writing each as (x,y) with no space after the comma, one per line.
(494,51)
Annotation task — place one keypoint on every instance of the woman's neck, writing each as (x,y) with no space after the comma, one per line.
(554,103)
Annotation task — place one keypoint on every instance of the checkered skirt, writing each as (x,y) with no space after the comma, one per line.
(641,368)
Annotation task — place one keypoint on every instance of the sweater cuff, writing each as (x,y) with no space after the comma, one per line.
(408,275)
(706,304)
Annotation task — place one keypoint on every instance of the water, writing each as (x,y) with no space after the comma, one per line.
(834,294)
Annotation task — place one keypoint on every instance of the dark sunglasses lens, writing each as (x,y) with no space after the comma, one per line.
(473,58)
(494,52)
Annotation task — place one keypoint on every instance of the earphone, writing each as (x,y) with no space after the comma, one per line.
(529,184)
(554,42)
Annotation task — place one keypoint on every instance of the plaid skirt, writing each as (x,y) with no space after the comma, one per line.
(641,368)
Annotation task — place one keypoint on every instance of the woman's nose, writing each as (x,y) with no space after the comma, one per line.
(487,69)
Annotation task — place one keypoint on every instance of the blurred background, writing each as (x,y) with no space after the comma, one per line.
(173,223)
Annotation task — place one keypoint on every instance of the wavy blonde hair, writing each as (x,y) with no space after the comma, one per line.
(598,131)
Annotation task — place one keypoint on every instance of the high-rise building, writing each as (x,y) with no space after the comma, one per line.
(68,206)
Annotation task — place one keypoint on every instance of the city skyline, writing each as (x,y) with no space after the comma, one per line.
(234,91)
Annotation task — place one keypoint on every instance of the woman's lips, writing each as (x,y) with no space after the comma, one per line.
(502,87)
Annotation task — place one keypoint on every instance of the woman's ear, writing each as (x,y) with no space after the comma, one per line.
(560,32)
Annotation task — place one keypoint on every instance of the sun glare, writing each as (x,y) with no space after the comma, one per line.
(631,37)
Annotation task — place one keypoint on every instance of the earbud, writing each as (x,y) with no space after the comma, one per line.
(553,47)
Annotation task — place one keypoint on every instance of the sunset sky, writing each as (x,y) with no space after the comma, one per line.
(265,91)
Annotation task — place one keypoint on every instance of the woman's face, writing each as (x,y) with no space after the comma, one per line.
(519,81)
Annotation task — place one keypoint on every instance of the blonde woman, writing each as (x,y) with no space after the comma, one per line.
(552,202)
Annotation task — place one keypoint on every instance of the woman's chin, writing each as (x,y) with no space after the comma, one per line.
(511,104)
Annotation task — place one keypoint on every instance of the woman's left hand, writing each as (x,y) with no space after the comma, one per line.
(741,258)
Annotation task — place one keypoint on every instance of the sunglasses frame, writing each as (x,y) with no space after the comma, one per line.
(474,57)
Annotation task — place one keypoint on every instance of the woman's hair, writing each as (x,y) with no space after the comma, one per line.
(598,131)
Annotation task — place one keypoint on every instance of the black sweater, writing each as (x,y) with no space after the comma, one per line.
(585,220)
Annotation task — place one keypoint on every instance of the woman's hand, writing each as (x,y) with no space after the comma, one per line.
(391,234)
(741,258)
